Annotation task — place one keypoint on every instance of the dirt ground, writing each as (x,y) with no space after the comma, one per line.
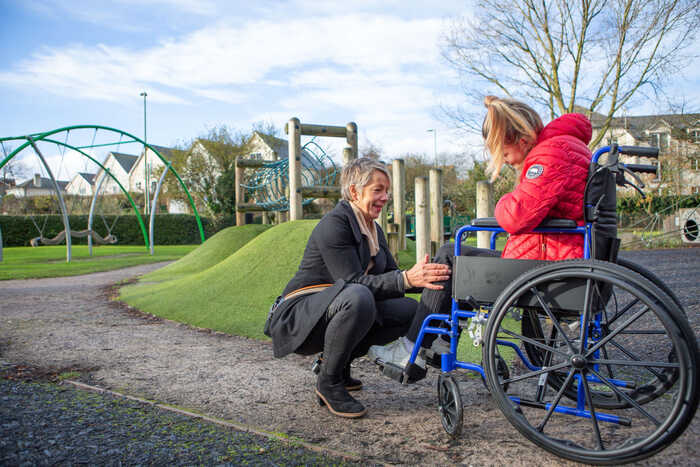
(73,324)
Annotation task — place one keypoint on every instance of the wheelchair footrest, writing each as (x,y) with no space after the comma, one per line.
(404,375)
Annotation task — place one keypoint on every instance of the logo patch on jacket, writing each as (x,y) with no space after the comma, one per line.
(534,171)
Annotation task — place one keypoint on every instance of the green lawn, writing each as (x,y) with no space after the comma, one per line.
(50,261)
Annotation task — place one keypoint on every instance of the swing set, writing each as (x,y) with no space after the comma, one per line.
(84,139)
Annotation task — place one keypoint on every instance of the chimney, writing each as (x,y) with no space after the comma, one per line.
(37,180)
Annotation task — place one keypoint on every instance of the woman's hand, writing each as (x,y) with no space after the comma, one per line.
(424,274)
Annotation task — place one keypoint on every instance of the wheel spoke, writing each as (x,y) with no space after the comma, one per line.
(555,403)
(587,299)
(556,367)
(629,363)
(555,322)
(634,357)
(533,342)
(594,419)
(627,398)
(612,335)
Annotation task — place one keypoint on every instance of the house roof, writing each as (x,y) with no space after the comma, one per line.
(90,178)
(44,183)
(278,145)
(167,153)
(637,125)
(127,161)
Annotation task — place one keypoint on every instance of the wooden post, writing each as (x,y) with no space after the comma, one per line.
(351,136)
(347,155)
(294,132)
(422,219)
(382,217)
(484,208)
(399,188)
(265,218)
(437,228)
(240,194)
(392,237)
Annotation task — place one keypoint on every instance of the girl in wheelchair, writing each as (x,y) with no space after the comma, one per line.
(552,163)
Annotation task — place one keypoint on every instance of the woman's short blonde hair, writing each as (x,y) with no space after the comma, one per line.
(359,172)
(506,122)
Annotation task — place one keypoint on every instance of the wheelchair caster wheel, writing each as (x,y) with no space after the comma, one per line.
(450,405)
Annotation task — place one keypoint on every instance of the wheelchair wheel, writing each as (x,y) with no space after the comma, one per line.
(450,404)
(644,391)
(645,338)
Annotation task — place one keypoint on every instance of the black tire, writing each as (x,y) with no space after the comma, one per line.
(536,409)
(450,405)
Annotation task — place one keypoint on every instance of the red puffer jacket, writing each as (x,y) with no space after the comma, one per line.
(551,185)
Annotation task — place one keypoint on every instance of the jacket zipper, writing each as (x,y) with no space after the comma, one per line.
(543,250)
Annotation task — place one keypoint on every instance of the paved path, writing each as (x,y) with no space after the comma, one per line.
(70,323)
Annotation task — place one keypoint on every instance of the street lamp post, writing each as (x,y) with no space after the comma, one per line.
(434,132)
(145,162)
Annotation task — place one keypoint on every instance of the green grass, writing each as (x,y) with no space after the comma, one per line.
(50,261)
(213,251)
(233,295)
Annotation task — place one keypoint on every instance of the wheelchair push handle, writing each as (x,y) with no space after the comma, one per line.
(640,151)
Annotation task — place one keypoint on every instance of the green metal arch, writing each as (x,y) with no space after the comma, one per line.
(43,137)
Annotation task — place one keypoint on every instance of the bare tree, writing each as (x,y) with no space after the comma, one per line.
(592,54)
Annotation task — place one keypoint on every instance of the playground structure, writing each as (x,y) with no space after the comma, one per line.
(53,138)
(285,186)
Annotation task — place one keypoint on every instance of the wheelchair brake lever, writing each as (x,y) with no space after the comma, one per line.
(622,181)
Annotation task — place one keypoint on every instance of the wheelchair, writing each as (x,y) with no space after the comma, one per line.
(591,359)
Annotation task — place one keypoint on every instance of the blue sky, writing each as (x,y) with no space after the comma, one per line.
(206,63)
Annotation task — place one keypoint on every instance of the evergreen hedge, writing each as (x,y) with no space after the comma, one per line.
(169,229)
(630,205)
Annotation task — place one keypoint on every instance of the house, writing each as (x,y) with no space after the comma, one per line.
(6,184)
(119,165)
(676,135)
(267,147)
(37,186)
(82,184)
(137,175)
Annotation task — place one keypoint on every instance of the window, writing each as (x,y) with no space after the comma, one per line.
(695,163)
(659,140)
(695,136)
(138,186)
(657,177)
(255,155)
(612,140)
(695,190)
(82,190)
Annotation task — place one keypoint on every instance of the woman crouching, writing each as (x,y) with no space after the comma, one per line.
(348,293)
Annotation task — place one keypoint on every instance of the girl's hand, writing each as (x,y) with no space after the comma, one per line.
(425,274)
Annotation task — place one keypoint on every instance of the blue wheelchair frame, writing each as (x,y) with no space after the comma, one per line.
(449,360)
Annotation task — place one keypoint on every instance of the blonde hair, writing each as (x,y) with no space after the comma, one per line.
(358,172)
(506,122)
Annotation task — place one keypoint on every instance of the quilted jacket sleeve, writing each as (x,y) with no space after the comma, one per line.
(542,180)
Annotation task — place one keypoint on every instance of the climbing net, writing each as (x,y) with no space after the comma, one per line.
(268,186)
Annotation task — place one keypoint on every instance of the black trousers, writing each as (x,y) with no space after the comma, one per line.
(440,301)
(353,322)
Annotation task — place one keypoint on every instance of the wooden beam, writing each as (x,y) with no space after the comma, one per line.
(250,163)
(320,191)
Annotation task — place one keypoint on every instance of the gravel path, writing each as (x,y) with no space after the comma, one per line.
(71,325)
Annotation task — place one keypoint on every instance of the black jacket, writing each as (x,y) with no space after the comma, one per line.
(337,253)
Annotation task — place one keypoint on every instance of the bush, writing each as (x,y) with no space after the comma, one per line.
(169,229)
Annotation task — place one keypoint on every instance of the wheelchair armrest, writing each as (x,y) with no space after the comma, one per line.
(485,222)
(546,224)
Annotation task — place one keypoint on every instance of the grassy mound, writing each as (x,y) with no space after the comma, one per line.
(214,250)
(233,295)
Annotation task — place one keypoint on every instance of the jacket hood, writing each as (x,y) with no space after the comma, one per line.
(576,125)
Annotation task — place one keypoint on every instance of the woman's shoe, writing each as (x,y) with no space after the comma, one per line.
(351,384)
(337,399)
